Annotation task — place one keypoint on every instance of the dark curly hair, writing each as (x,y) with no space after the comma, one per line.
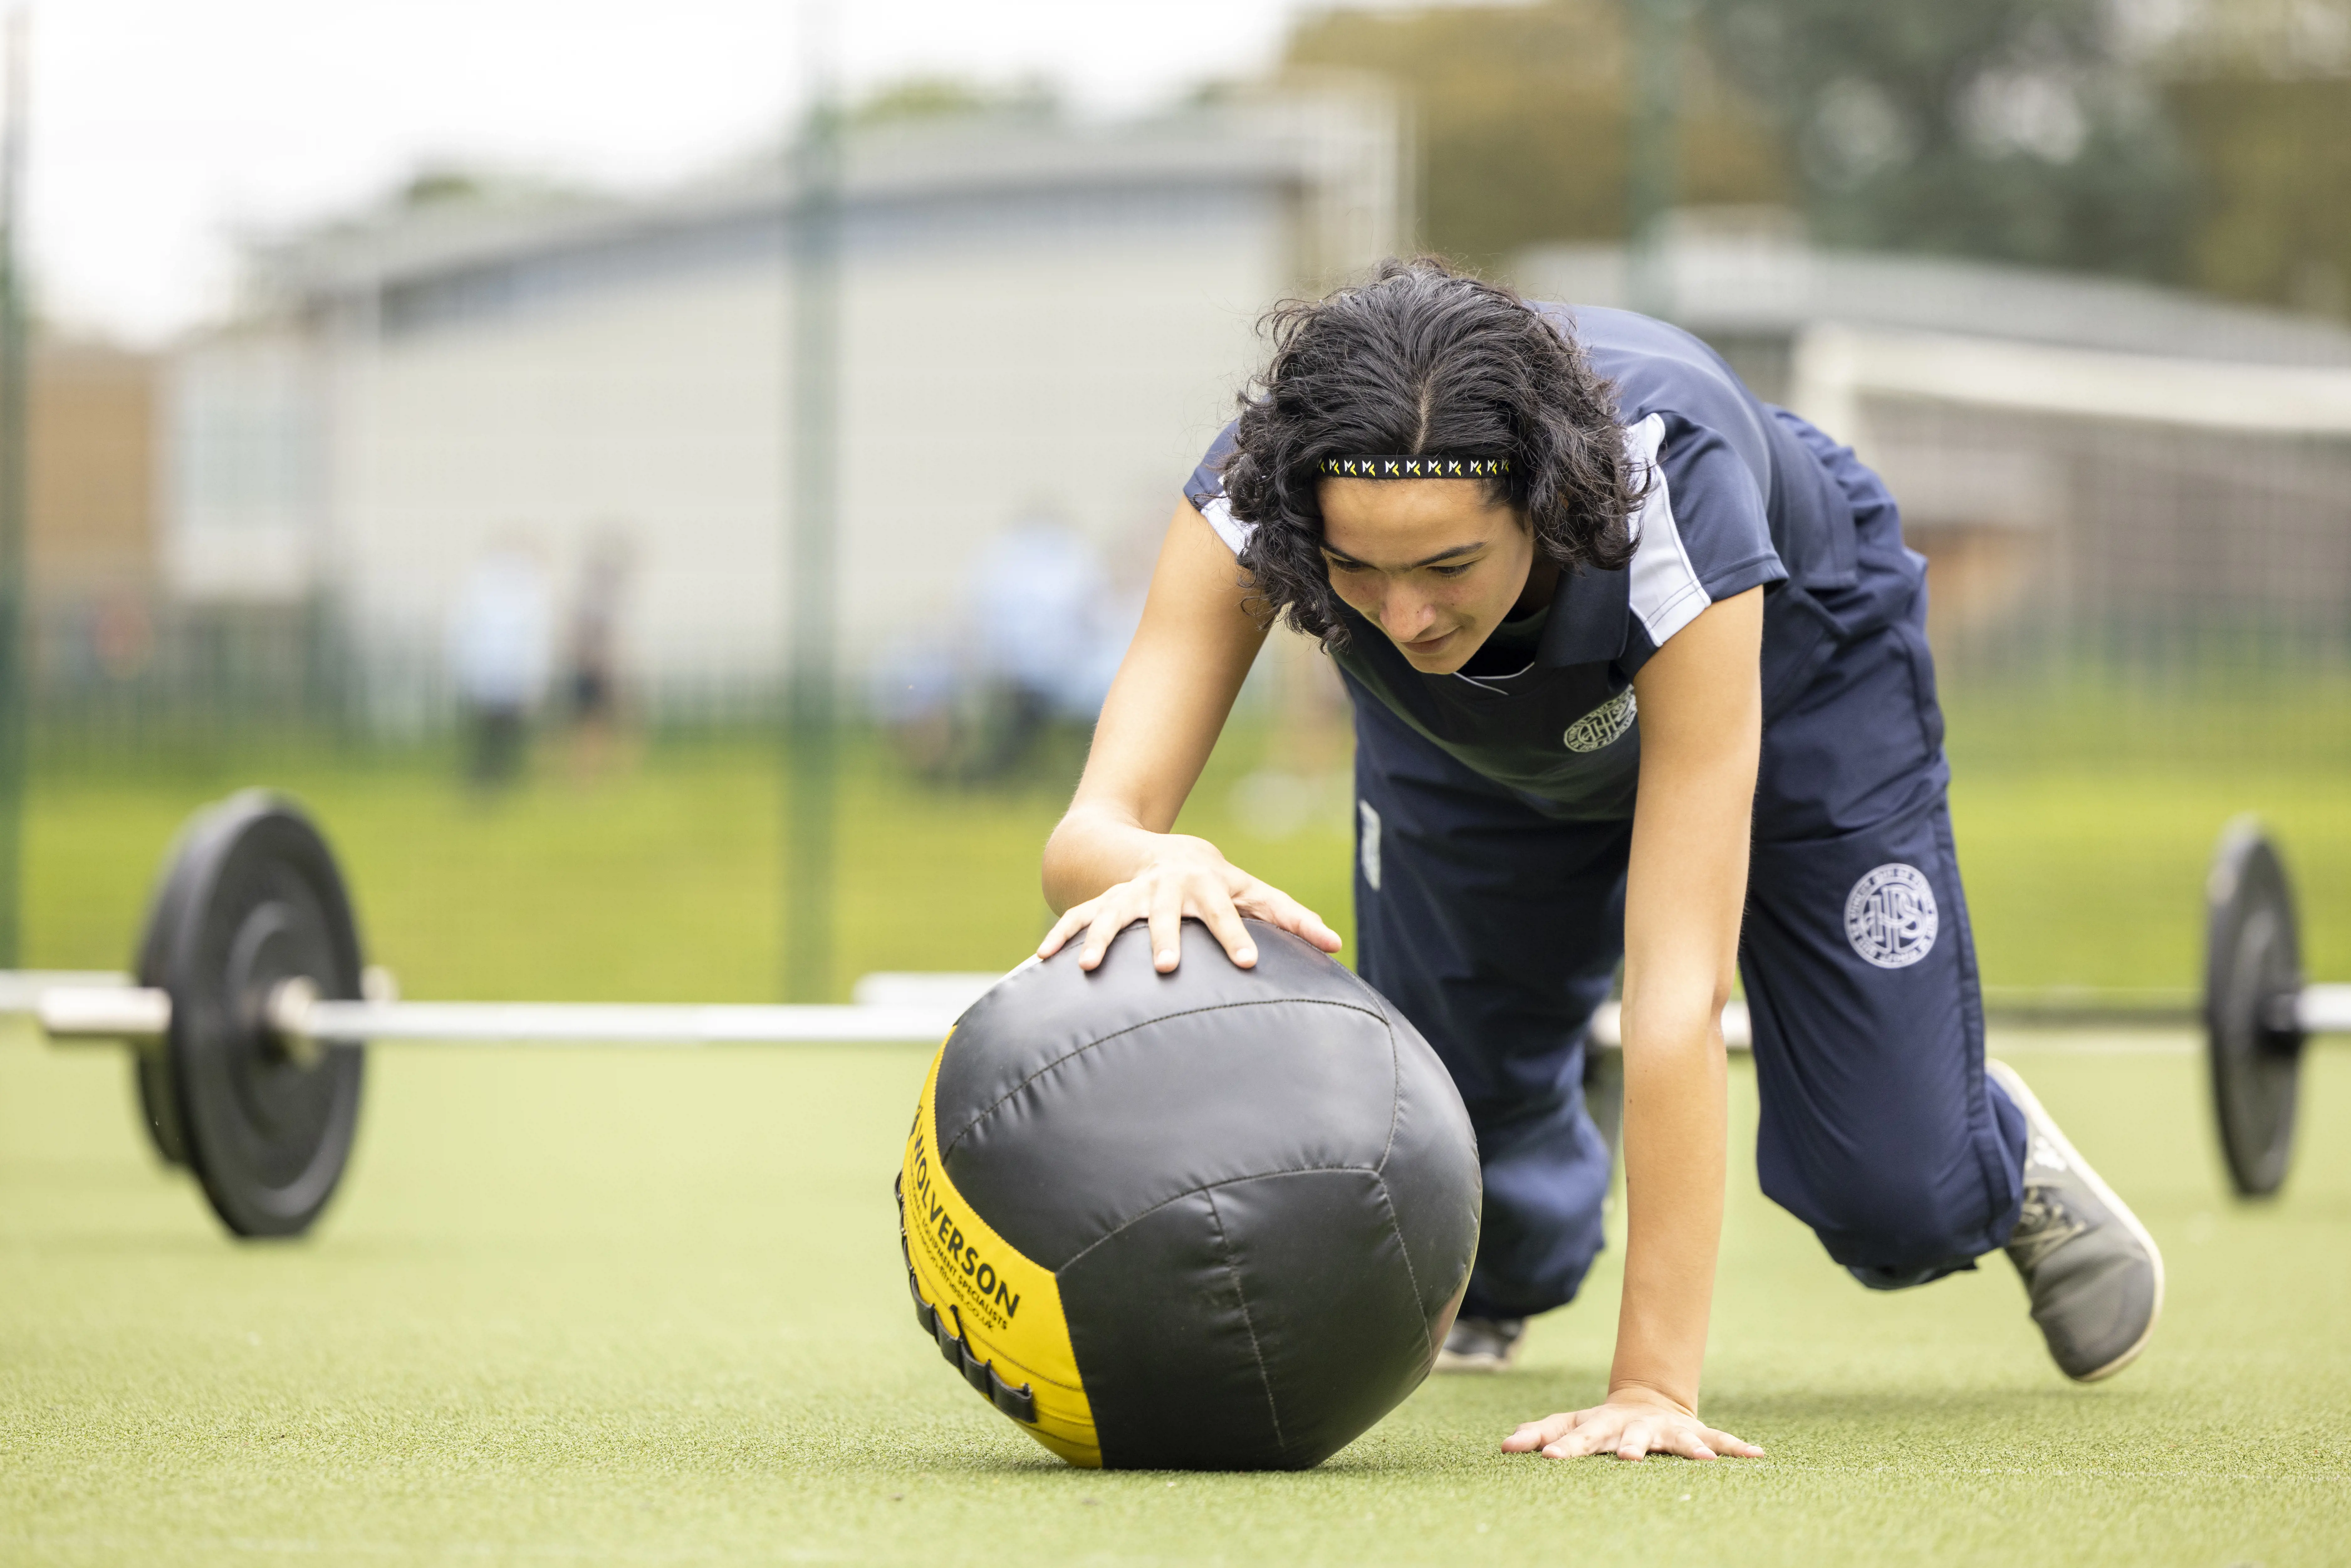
(1423,359)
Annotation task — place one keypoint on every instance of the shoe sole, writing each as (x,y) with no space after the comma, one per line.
(2034,1112)
(1480,1365)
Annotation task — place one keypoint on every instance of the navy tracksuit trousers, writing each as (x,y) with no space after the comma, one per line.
(1498,928)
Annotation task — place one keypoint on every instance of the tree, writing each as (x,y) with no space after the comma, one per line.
(2261,90)
(2022,129)
(1520,112)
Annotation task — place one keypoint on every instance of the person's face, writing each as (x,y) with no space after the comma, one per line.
(1431,562)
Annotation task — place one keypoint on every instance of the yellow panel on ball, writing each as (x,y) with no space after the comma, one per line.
(1002,1309)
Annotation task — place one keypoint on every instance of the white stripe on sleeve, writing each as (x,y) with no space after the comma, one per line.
(1229,529)
(1666,593)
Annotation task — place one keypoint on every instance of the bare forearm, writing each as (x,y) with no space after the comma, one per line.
(1165,710)
(1675,1124)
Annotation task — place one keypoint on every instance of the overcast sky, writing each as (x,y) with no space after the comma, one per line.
(161,128)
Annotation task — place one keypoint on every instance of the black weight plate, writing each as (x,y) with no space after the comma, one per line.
(2253,976)
(259,901)
(150,1076)
(151,1070)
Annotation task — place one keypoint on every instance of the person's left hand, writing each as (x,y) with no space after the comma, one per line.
(1634,1424)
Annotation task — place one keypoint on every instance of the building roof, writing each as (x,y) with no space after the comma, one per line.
(1767,283)
(963,161)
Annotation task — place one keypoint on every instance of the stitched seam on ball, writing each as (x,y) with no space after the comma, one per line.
(1395,1066)
(1208,1186)
(1396,1095)
(947,1145)
(1395,1230)
(1273,1410)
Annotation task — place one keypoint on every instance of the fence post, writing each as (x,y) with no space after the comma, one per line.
(15,643)
(811,729)
(1657,34)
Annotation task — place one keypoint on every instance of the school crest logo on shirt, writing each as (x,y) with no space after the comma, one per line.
(1604,725)
(1890,917)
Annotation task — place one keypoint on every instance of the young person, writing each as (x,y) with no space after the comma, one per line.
(1640,675)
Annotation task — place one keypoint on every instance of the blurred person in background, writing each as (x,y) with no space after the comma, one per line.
(499,635)
(1640,675)
(592,652)
(1041,630)
(1050,626)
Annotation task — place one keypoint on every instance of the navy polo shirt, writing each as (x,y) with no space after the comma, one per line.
(1737,502)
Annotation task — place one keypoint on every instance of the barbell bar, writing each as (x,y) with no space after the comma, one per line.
(80,1008)
(250,1009)
(2315,1010)
(302,1023)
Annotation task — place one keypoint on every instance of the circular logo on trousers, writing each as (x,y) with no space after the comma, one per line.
(1890,917)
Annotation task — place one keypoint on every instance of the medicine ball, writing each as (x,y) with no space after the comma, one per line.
(1214,1219)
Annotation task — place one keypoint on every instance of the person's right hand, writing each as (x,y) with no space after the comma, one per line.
(1634,1424)
(1183,876)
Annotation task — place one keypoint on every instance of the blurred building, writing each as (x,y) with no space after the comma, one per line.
(117,654)
(91,470)
(1040,317)
(91,502)
(2140,475)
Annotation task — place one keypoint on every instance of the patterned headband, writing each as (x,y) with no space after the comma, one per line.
(1426,466)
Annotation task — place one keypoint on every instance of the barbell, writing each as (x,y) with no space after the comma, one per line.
(251,1007)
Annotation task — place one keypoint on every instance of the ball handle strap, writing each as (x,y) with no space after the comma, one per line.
(1019,1403)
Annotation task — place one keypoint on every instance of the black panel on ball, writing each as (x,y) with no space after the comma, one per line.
(1182,1101)
(1257,1190)
(1295,1287)
(254,898)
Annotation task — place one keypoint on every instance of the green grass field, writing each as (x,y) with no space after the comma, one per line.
(638,1307)
(661,884)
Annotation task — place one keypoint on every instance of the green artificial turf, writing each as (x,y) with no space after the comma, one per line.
(640,1307)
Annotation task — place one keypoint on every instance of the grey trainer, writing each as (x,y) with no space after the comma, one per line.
(2092,1272)
(1481,1345)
